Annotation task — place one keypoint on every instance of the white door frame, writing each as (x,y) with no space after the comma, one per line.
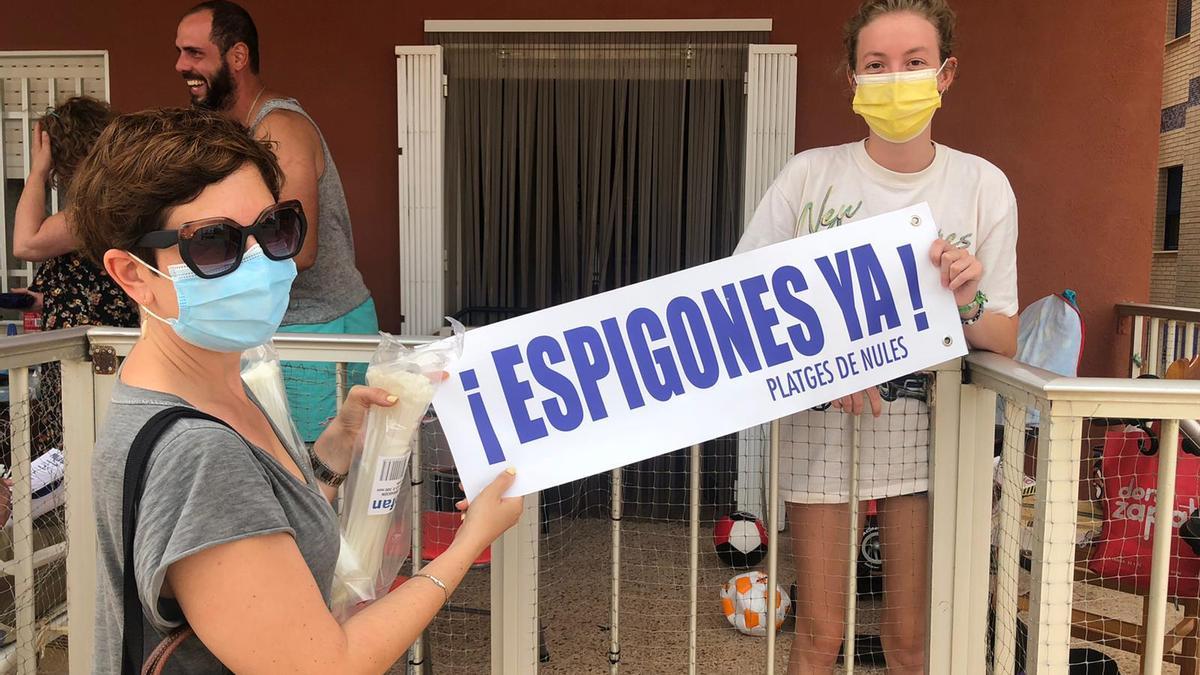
(770,142)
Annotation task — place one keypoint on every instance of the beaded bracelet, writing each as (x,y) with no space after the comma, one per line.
(977,316)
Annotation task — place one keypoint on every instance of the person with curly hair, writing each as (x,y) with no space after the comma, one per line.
(70,290)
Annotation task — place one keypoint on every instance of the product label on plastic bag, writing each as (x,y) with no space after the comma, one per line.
(387,485)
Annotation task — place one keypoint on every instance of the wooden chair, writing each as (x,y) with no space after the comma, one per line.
(1131,637)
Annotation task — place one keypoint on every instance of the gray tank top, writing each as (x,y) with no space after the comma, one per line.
(332,286)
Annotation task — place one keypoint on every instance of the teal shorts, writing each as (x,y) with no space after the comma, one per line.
(312,387)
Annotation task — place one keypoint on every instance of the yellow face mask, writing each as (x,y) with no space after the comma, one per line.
(898,106)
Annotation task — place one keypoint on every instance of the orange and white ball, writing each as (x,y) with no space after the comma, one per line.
(744,603)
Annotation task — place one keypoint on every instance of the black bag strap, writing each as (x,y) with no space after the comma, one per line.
(136,464)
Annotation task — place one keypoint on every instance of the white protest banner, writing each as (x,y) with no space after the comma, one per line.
(612,379)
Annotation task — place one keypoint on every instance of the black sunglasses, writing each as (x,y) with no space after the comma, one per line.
(213,247)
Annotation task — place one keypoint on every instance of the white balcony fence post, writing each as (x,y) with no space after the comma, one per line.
(1154,349)
(22,516)
(614,645)
(1168,453)
(694,554)
(1171,341)
(79,437)
(973,547)
(773,537)
(944,458)
(514,611)
(850,623)
(1012,461)
(418,660)
(1053,573)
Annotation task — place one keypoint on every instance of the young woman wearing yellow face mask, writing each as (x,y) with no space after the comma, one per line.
(899,65)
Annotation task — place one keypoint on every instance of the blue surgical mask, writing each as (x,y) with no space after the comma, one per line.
(234,312)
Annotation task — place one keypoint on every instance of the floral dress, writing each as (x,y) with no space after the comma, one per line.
(77,293)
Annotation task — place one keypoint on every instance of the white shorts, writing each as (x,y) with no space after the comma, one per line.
(814,453)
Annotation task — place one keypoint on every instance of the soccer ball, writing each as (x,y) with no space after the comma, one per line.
(740,539)
(744,603)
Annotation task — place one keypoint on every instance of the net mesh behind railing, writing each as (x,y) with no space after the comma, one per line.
(1114,519)
(575,582)
(43,418)
(575,543)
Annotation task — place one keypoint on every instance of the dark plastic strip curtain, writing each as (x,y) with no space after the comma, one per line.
(581,162)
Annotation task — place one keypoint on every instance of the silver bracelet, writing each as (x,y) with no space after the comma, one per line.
(436,582)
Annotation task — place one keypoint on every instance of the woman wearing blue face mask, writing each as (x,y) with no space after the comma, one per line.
(233,534)
(899,65)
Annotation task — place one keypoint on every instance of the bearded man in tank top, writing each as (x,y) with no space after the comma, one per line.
(218,58)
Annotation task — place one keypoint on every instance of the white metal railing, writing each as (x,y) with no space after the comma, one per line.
(962,431)
(1159,335)
(1064,403)
(18,355)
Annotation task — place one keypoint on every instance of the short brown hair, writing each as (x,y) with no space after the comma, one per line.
(73,127)
(937,12)
(147,163)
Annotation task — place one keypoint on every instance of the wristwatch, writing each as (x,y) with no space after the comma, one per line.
(325,474)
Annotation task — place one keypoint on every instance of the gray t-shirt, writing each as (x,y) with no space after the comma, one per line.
(205,486)
(332,286)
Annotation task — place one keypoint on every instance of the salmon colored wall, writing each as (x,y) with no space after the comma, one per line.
(1063,96)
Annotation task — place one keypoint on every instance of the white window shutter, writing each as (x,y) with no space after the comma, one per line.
(770,118)
(420,129)
(770,141)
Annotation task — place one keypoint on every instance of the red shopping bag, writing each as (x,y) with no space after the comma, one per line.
(1130,468)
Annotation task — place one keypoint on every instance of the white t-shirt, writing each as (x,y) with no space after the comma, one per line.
(974,208)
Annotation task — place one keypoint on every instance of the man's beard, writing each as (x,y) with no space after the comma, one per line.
(221,92)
